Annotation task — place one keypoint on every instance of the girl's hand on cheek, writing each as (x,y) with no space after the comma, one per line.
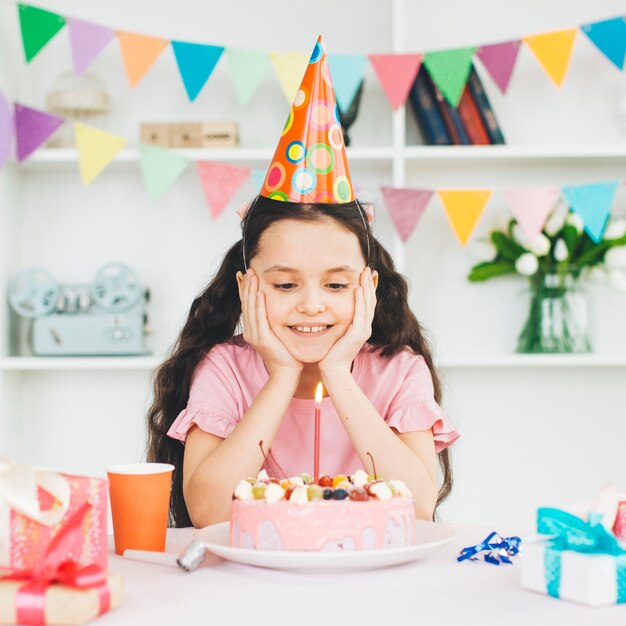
(341,355)
(257,332)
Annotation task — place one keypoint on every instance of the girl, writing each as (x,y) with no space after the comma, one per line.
(319,300)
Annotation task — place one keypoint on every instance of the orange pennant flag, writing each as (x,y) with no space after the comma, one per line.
(139,52)
(553,51)
(463,208)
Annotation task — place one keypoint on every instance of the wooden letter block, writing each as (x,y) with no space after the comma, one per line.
(185,135)
(219,134)
(154,134)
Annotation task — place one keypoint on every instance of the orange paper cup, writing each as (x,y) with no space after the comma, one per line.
(140,497)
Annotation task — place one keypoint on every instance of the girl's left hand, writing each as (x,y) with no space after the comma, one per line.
(345,349)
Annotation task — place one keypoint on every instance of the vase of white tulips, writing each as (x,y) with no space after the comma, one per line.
(555,264)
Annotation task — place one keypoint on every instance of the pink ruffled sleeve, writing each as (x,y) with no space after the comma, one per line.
(414,406)
(211,405)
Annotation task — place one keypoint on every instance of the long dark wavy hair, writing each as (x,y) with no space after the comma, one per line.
(215,314)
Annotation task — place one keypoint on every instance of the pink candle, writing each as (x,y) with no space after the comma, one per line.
(319,391)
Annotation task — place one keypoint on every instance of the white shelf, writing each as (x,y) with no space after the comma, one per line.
(27,363)
(555,153)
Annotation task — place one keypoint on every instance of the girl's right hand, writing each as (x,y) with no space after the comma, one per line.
(257,331)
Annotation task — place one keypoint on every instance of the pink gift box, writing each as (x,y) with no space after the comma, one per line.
(619,528)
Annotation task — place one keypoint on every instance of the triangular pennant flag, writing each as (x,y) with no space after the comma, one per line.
(593,203)
(87,41)
(396,73)
(463,208)
(196,62)
(160,168)
(531,207)
(258,178)
(38,28)
(609,36)
(220,182)
(247,69)
(96,149)
(289,68)
(499,60)
(553,51)
(6,130)
(450,70)
(32,129)
(405,207)
(347,71)
(139,52)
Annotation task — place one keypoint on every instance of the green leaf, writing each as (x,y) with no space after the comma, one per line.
(570,236)
(506,247)
(485,271)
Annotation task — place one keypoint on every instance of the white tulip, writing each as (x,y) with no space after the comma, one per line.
(556,221)
(540,245)
(520,236)
(615,229)
(615,257)
(527,264)
(576,221)
(560,251)
(483,251)
(617,279)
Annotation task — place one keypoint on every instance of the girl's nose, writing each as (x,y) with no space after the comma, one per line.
(311,303)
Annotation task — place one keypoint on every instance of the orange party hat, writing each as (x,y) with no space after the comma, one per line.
(310,163)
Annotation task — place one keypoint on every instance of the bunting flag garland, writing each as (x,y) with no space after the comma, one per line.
(96,149)
(592,203)
(609,36)
(289,69)
(139,52)
(531,206)
(247,69)
(6,130)
(220,182)
(450,70)
(33,128)
(396,73)
(196,63)
(160,168)
(258,178)
(347,72)
(463,208)
(405,207)
(87,41)
(554,52)
(38,28)
(499,61)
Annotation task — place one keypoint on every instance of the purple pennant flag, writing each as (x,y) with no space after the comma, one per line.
(88,41)
(32,128)
(6,129)
(405,207)
(499,60)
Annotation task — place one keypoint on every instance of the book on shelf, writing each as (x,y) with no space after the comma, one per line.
(472,120)
(484,107)
(423,102)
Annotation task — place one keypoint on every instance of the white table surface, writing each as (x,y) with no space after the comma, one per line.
(433,590)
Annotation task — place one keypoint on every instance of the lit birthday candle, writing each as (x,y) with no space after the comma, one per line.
(319,391)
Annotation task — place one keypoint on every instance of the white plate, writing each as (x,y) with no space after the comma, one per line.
(428,537)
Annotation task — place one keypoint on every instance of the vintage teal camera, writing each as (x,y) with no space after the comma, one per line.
(104,318)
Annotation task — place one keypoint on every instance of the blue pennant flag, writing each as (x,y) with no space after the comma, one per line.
(258,178)
(347,71)
(609,36)
(593,204)
(196,62)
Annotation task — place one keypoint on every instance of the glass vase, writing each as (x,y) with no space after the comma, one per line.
(557,320)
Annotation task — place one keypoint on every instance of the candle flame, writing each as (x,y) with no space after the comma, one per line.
(319,392)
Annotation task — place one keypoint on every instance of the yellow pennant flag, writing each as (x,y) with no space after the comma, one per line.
(463,208)
(96,149)
(139,52)
(289,68)
(553,51)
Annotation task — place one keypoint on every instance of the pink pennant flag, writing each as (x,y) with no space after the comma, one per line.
(87,41)
(396,73)
(499,60)
(220,182)
(33,128)
(405,207)
(531,207)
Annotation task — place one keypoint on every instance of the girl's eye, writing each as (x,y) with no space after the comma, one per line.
(284,286)
(338,286)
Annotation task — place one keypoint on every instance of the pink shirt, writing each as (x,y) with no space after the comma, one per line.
(230,376)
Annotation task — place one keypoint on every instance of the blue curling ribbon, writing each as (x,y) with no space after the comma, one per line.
(572,533)
(497,549)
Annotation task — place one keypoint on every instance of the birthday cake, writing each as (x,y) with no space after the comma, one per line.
(340,513)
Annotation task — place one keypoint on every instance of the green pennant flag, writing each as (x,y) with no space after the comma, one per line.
(160,168)
(449,70)
(38,28)
(247,69)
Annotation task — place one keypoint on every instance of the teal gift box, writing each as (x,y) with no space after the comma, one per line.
(578,560)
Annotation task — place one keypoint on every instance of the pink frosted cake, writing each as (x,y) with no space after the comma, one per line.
(341,513)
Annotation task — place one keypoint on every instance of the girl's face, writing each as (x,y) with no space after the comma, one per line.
(308,272)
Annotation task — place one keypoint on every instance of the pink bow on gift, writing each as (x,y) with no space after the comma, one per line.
(607,503)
